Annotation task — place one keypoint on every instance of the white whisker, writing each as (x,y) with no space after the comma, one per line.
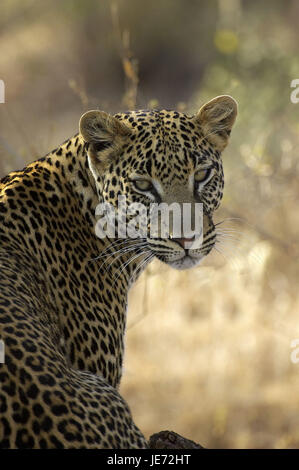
(147,259)
(121,252)
(126,264)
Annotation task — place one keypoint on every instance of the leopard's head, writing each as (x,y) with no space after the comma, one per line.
(154,157)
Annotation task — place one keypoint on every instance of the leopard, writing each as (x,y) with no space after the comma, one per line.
(64,287)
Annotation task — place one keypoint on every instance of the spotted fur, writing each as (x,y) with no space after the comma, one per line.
(62,306)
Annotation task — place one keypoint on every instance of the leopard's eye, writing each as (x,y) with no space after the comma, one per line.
(143,185)
(202,175)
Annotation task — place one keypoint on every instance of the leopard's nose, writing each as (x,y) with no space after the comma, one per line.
(184,241)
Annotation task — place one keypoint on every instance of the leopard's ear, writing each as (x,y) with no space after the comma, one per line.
(104,133)
(216,119)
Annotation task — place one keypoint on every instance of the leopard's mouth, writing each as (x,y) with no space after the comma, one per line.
(177,257)
(184,260)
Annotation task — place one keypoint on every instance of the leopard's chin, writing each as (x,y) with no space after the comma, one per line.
(182,263)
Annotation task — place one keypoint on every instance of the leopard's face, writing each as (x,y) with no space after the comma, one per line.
(157,158)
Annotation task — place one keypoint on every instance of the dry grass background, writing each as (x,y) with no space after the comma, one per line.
(207,350)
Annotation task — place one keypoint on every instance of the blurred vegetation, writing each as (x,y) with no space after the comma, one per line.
(208,350)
